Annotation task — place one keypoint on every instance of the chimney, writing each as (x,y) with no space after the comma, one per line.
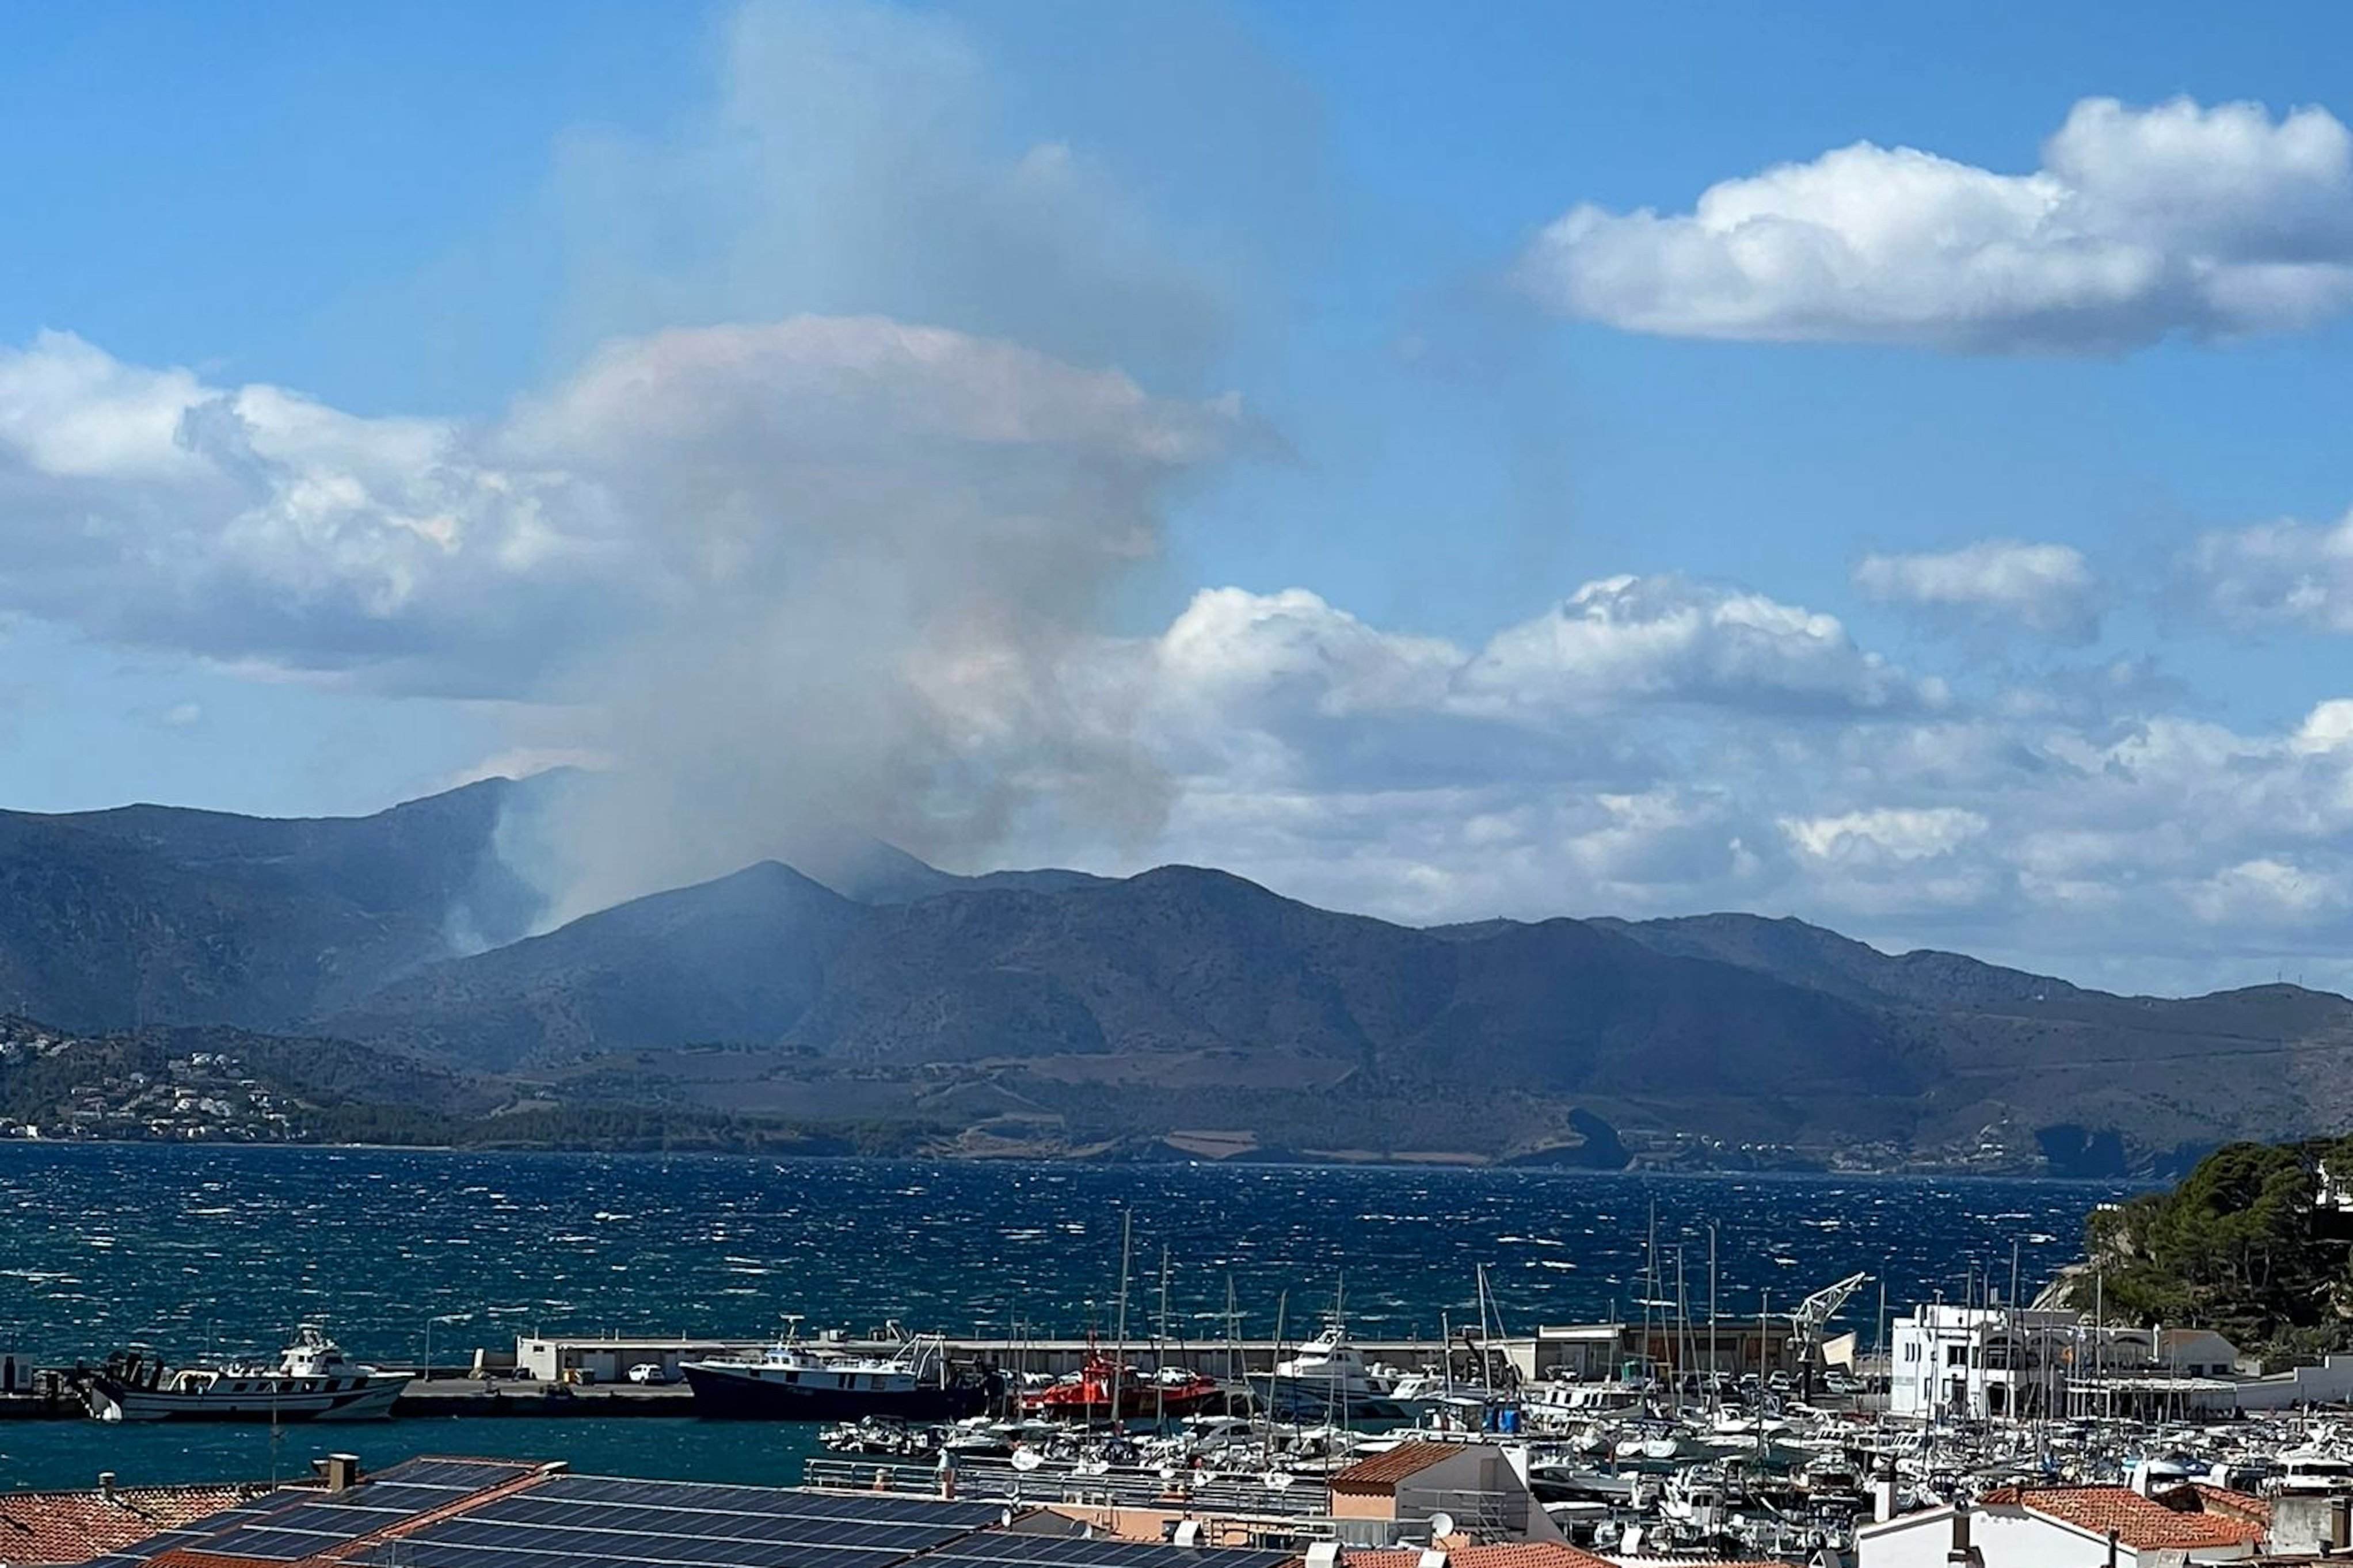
(340,1471)
(2340,1523)
(2112,1548)
(1883,1495)
(1323,1554)
(1963,1554)
(106,1485)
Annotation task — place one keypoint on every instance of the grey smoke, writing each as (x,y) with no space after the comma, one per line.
(868,539)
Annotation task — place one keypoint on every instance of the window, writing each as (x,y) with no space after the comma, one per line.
(1957,1355)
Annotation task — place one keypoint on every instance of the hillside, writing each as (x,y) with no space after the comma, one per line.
(738,960)
(1050,1011)
(147,914)
(2255,1242)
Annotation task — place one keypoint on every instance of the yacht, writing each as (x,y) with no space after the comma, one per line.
(2311,1471)
(310,1381)
(1328,1380)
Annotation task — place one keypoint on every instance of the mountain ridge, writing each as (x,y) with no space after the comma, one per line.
(1061,1005)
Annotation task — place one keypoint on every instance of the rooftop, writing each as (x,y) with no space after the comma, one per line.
(1506,1554)
(2181,1520)
(1382,1472)
(56,1526)
(493,1513)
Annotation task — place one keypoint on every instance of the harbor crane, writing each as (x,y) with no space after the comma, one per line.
(1813,1315)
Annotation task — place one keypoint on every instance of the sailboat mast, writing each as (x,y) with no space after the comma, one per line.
(1119,1336)
(1160,1351)
(1233,1335)
(1715,1371)
(1282,1307)
(1650,1293)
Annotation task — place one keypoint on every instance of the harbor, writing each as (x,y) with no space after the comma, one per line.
(1827,1421)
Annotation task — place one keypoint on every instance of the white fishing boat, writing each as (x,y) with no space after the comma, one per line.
(310,1381)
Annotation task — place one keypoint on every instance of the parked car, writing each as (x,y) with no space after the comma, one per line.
(648,1372)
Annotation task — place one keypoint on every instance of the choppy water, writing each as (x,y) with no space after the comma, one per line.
(195,1249)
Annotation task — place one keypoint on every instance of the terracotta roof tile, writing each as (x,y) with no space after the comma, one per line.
(1508,1554)
(62,1527)
(1382,1472)
(2142,1523)
(2234,1505)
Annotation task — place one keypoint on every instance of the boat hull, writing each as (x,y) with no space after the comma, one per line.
(733,1395)
(368,1399)
(1292,1399)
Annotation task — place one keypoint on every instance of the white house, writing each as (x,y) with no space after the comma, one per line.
(1986,1362)
(1978,1361)
(2069,1527)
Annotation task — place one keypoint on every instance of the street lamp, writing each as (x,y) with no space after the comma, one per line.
(444,1317)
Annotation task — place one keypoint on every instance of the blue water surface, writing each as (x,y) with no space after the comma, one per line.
(222,1249)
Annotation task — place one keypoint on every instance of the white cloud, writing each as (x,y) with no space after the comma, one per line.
(1625,639)
(1265,685)
(1230,645)
(2045,588)
(1884,834)
(2274,574)
(2140,223)
(2266,892)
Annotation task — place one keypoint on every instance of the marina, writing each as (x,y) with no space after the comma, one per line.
(1650,1439)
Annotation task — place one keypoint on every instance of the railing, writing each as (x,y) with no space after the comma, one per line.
(1483,1516)
(1187,1492)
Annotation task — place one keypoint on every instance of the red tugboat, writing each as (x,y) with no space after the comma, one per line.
(1088,1397)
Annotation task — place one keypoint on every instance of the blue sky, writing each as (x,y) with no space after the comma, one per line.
(1982,521)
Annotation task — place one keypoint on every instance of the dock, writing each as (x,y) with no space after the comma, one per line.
(498,1396)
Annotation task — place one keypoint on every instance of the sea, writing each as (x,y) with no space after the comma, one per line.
(200,1250)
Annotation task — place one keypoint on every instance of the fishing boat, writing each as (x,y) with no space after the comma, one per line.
(311,1381)
(1103,1390)
(791,1382)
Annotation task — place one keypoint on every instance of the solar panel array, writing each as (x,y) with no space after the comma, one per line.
(571,1521)
(312,1522)
(192,1534)
(567,1520)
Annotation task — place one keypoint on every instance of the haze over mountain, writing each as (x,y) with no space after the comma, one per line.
(1183,998)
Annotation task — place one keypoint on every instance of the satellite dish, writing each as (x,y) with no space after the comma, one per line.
(1440,1526)
(1026,1459)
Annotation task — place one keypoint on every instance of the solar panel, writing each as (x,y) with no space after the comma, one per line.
(463,1475)
(211,1524)
(317,1521)
(567,1520)
(770,1501)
